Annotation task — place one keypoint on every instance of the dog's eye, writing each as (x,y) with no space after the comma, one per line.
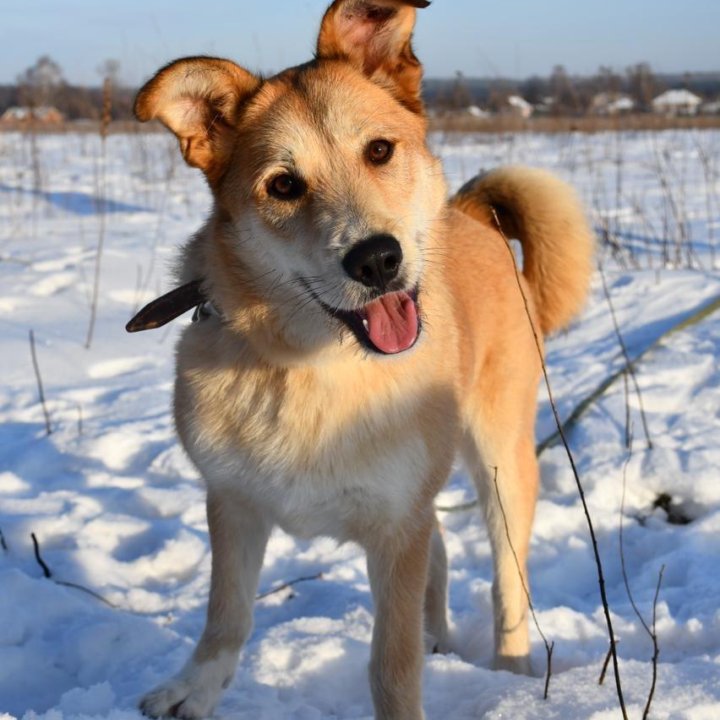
(286,187)
(380,151)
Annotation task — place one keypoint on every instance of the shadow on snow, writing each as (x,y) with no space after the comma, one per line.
(78,203)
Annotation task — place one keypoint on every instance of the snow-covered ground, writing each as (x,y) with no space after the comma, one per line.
(117,508)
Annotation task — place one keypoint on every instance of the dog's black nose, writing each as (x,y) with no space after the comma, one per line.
(374,261)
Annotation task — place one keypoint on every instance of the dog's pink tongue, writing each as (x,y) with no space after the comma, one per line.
(392,322)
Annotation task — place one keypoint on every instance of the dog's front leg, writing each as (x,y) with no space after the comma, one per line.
(398,567)
(238,536)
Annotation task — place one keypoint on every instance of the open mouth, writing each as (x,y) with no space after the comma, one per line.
(389,325)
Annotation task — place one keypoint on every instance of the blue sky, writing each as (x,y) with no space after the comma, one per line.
(508,37)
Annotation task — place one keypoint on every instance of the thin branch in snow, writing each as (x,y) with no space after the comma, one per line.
(601,679)
(38,557)
(286,585)
(628,415)
(87,591)
(622,545)
(576,474)
(629,368)
(49,575)
(102,219)
(38,377)
(101,195)
(458,508)
(549,647)
(656,648)
(650,631)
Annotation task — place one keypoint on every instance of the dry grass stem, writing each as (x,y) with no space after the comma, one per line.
(629,368)
(100,193)
(38,378)
(49,575)
(651,631)
(287,585)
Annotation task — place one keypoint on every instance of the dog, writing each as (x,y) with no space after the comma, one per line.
(356,331)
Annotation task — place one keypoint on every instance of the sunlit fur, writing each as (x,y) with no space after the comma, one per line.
(290,421)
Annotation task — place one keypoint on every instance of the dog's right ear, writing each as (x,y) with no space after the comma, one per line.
(199,99)
(376,37)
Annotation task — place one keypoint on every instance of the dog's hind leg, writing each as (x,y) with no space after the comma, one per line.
(436,595)
(238,536)
(506,477)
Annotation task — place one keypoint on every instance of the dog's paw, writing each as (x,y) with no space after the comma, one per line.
(193,693)
(178,699)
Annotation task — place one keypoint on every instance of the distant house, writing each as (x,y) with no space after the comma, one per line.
(677,102)
(519,107)
(545,106)
(711,108)
(44,115)
(612,103)
(476,111)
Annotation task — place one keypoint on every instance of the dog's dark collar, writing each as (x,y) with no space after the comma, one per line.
(171,305)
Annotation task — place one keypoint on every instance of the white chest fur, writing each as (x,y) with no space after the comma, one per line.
(321,452)
(339,497)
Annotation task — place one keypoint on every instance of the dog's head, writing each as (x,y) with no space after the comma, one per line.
(326,193)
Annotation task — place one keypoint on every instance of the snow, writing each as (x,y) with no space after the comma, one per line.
(117,508)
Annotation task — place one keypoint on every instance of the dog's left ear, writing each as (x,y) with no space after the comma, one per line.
(199,99)
(375,36)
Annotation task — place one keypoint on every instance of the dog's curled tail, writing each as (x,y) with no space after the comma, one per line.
(546,216)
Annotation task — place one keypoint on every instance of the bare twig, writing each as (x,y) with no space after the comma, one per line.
(107,107)
(101,190)
(628,363)
(628,420)
(98,254)
(576,475)
(708,162)
(650,631)
(158,236)
(548,673)
(601,679)
(457,508)
(3,543)
(88,591)
(49,575)
(287,585)
(38,557)
(623,569)
(41,392)
(656,648)
(549,647)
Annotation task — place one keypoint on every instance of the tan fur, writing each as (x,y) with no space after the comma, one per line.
(535,207)
(198,99)
(290,421)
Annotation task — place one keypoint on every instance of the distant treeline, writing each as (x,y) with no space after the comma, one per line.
(73,101)
(565,94)
(561,94)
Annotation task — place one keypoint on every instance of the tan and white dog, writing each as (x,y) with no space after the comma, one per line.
(365,329)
